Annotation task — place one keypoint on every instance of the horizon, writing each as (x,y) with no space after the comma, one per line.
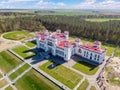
(60,4)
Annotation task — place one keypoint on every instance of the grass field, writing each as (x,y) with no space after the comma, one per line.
(35,81)
(19,71)
(92,88)
(62,74)
(67,12)
(1,76)
(83,85)
(17,35)
(24,52)
(117,54)
(8,61)
(101,19)
(3,83)
(9,88)
(86,68)
(31,44)
(110,47)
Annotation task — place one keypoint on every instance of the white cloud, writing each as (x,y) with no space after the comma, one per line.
(92,4)
(42,4)
(47,5)
(20,0)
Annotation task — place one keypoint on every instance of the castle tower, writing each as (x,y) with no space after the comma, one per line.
(55,42)
(46,36)
(67,51)
(97,44)
(77,43)
(58,31)
(38,38)
(66,34)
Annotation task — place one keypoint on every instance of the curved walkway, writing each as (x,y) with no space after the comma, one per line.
(5,43)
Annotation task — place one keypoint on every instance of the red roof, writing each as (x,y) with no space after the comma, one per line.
(92,48)
(62,44)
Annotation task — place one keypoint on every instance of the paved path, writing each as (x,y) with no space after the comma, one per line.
(5,43)
(41,72)
(76,87)
(22,74)
(48,76)
(90,78)
(12,71)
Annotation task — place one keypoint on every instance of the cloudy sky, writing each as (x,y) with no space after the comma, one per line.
(59,4)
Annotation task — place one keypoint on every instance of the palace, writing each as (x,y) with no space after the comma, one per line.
(57,44)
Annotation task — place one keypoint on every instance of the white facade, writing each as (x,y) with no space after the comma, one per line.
(58,45)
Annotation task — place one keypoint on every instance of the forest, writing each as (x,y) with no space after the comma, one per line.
(108,31)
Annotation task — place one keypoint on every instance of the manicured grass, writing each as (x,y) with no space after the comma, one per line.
(92,88)
(24,52)
(101,19)
(62,74)
(8,61)
(31,44)
(110,47)
(83,85)
(19,71)
(86,68)
(35,81)
(117,54)
(17,35)
(3,83)
(1,76)
(9,88)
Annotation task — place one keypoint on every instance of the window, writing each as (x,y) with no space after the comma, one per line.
(95,56)
(98,58)
(80,51)
(91,56)
(87,54)
(84,53)
(60,52)
(50,43)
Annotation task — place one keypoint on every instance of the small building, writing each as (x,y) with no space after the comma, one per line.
(57,44)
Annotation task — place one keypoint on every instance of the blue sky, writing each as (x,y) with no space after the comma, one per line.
(59,4)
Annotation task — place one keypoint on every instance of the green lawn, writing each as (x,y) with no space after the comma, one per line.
(24,52)
(19,71)
(33,80)
(1,76)
(83,85)
(86,68)
(9,88)
(101,19)
(62,74)
(31,44)
(17,35)
(117,54)
(3,83)
(92,88)
(110,47)
(8,61)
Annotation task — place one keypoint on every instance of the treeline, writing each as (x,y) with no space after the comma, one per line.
(76,25)
(104,31)
(14,13)
(27,23)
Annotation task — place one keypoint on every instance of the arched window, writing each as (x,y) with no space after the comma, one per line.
(80,51)
(91,56)
(87,54)
(84,53)
(98,57)
(95,56)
